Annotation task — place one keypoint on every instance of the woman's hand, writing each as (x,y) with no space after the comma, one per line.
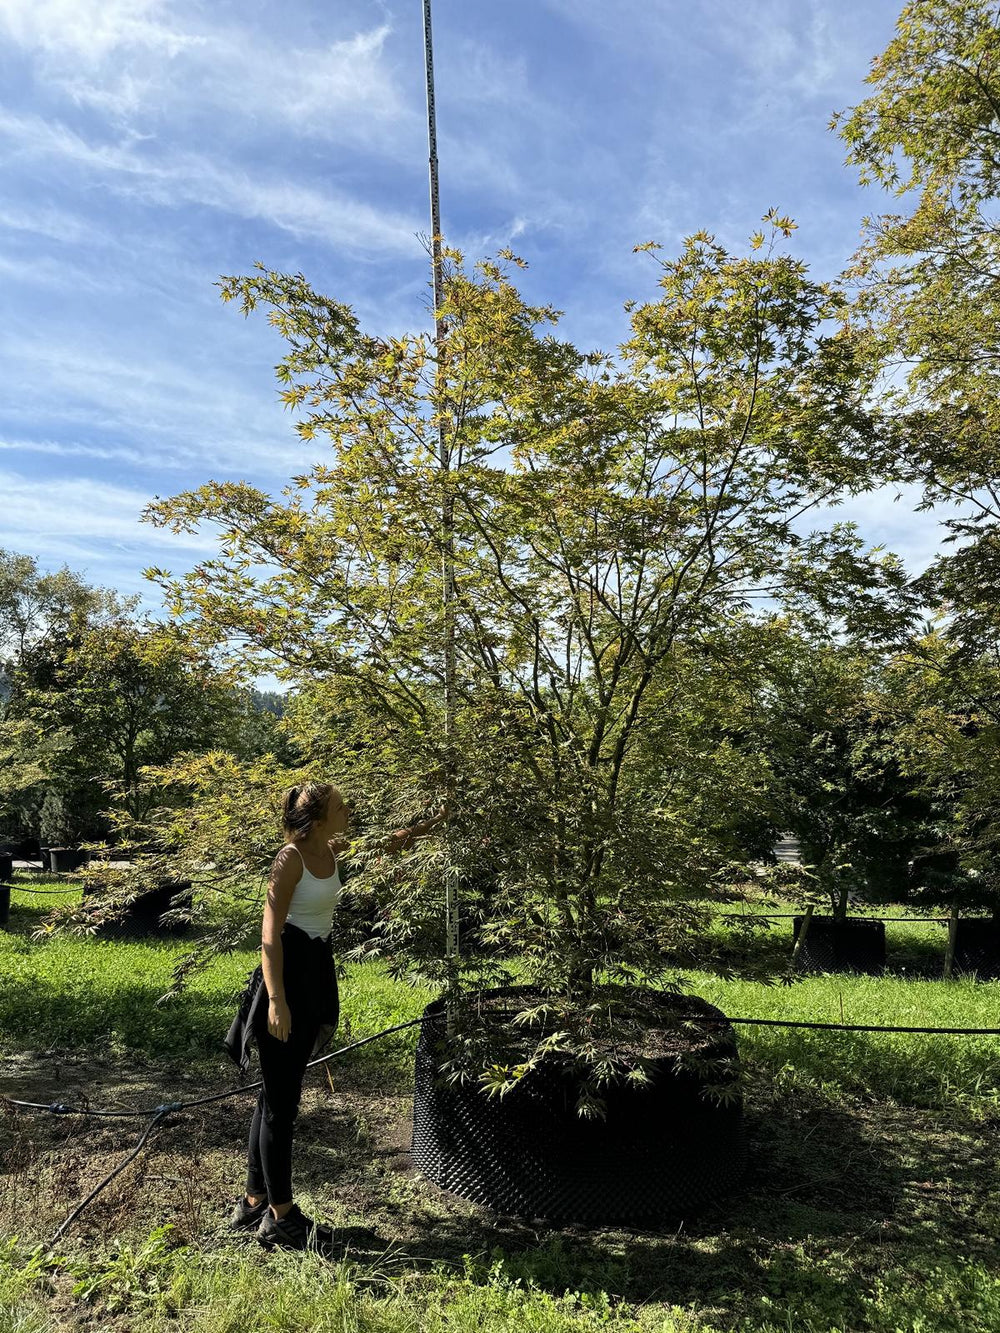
(279,1019)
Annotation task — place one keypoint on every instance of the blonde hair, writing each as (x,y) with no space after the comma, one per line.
(303,806)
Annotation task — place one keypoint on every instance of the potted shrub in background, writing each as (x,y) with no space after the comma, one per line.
(946,701)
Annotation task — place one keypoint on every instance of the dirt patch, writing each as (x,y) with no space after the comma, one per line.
(883,1184)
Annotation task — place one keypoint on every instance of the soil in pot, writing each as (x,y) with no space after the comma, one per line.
(663,1149)
(854,945)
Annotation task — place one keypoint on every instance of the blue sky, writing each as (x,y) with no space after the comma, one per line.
(148,146)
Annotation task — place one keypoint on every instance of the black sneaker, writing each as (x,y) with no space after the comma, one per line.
(294,1231)
(246,1215)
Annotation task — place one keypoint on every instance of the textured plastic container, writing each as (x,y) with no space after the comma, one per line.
(663,1151)
(143,915)
(853,945)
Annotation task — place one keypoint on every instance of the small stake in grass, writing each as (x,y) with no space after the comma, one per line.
(949,953)
(802,935)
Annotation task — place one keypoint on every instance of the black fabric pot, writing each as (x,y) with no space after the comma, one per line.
(4,904)
(143,916)
(830,945)
(663,1151)
(62,860)
(6,868)
(977,948)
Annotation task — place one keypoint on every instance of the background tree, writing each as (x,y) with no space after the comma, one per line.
(930,132)
(830,733)
(945,710)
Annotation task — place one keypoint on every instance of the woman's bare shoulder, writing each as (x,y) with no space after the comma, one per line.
(287,865)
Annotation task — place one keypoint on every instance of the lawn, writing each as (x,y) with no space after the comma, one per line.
(871,1201)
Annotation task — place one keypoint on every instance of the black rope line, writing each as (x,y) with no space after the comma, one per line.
(863,1027)
(20,888)
(59,1108)
(156,1120)
(903,920)
(160,1113)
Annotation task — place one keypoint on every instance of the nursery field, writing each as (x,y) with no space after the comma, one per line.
(872,1200)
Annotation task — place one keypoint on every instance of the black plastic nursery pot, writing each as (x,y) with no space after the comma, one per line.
(63,860)
(663,1151)
(6,874)
(143,915)
(977,948)
(854,945)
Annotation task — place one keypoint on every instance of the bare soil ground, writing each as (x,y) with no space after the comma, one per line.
(878,1184)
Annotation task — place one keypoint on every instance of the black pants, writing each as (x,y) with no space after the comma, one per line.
(283,1064)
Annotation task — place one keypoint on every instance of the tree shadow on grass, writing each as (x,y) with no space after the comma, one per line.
(838,1193)
(907,954)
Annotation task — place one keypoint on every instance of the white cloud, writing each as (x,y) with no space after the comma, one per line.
(52,223)
(100,453)
(187,177)
(164,413)
(63,517)
(888,517)
(138,60)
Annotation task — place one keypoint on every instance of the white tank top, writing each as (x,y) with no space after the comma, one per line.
(314,901)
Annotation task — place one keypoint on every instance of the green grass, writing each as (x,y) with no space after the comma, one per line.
(872,1202)
(171,1289)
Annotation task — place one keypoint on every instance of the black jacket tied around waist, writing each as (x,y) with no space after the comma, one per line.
(310,974)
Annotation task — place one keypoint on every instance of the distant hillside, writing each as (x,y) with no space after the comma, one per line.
(269,701)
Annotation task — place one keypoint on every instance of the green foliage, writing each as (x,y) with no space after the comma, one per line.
(931,280)
(945,708)
(830,729)
(134,1280)
(603,515)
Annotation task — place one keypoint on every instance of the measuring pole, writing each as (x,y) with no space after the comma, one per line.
(447,503)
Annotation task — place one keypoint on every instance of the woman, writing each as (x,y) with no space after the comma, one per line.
(291,1006)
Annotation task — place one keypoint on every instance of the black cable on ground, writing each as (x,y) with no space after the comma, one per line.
(20,888)
(790,916)
(59,1108)
(156,1120)
(162,1111)
(864,1027)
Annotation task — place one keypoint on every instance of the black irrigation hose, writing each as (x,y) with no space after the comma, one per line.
(790,916)
(162,1111)
(59,1108)
(156,1120)
(19,888)
(863,1027)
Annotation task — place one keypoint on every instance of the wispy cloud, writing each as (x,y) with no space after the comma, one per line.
(164,414)
(175,178)
(139,61)
(68,514)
